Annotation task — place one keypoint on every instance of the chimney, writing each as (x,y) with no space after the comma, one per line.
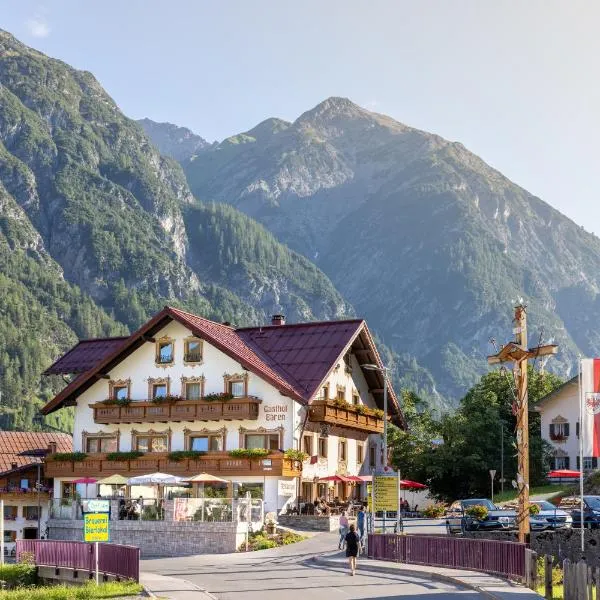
(278,320)
(13,465)
(51,447)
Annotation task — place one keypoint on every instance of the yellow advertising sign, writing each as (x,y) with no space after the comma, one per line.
(95,527)
(386,493)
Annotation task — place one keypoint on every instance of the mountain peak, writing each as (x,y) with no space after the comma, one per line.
(333,108)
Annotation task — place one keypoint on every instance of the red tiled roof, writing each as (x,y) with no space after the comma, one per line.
(12,443)
(85,355)
(295,358)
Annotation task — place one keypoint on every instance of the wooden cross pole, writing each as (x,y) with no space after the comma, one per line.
(519,354)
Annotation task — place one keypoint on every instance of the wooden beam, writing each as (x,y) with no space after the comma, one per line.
(101,376)
(376,391)
(147,338)
(362,352)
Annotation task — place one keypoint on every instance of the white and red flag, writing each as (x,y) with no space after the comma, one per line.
(590,383)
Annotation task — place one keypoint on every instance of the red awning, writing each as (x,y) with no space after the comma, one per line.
(336,478)
(563,474)
(354,478)
(85,480)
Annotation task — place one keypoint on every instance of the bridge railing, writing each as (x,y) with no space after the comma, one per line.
(113,559)
(507,559)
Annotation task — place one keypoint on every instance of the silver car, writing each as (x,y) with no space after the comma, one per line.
(549,517)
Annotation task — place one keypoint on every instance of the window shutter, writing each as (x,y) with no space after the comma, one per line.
(551,430)
(578,462)
(594,462)
(568,460)
(577,429)
(566,429)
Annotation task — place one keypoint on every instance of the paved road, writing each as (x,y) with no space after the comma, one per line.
(282,573)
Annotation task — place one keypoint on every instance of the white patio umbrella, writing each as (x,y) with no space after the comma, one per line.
(155,479)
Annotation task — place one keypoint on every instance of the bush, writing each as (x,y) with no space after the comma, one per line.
(265,544)
(73,456)
(18,575)
(178,455)
(296,455)
(249,453)
(222,397)
(124,455)
(534,509)
(377,412)
(435,511)
(477,511)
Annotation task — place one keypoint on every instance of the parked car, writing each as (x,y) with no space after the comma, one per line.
(591,511)
(458,521)
(549,517)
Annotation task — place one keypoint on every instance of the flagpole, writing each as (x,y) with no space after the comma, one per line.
(581,434)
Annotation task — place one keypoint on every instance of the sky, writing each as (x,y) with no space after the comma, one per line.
(515,81)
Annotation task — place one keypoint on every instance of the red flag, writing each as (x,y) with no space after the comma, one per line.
(590,374)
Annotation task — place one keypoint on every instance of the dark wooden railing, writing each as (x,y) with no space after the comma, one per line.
(326,411)
(500,558)
(142,411)
(113,559)
(212,462)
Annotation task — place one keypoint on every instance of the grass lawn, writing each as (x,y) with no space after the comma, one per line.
(543,489)
(89,591)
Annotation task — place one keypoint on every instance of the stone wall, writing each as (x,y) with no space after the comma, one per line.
(161,538)
(562,543)
(309,522)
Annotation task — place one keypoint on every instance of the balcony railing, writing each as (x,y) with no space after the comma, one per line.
(215,463)
(143,411)
(326,411)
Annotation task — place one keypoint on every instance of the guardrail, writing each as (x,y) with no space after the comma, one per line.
(113,559)
(499,558)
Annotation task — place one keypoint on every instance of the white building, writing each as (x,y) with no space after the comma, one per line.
(559,412)
(184,383)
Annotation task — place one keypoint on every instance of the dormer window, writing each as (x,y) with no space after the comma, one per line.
(165,351)
(193,351)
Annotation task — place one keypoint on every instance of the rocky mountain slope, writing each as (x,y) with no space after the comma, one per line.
(99,230)
(426,240)
(175,142)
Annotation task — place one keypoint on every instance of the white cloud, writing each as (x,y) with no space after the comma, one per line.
(38,27)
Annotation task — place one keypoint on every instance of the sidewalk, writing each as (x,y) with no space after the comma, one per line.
(161,586)
(488,586)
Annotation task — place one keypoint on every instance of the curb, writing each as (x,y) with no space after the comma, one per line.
(365,566)
(196,588)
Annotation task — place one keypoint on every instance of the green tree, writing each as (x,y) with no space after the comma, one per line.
(459,467)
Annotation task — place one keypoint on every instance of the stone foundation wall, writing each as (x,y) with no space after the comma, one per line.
(562,543)
(160,538)
(309,522)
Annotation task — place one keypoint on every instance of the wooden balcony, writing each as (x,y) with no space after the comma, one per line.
(325,411)
(215,463)
(180,410)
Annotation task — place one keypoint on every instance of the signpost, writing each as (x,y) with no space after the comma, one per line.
(385,496)
(2,532)
(492,475)
(96,526)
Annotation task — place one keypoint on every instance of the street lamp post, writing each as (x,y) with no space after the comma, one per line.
(384,370)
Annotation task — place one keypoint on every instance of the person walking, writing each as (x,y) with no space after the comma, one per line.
(351,540)
(360,524)
(343,529)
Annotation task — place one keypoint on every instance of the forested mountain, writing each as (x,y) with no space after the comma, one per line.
(176,142)
(98,231)
(427,241)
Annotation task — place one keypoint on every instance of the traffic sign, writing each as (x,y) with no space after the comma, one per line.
(96,506)
(95,527)
(386,493)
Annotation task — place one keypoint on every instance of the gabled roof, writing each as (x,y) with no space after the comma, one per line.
(296,359)
(85,355)
(573,382)
(13,443)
